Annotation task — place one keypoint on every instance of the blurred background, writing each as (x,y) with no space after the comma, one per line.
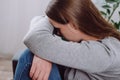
(15,17)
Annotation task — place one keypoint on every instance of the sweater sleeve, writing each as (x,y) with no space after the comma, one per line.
(90,56)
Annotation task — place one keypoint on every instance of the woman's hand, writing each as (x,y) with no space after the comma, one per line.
(40,69)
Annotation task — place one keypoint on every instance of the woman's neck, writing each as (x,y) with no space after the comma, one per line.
(87,37)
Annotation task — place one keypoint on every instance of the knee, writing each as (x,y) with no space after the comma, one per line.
(27,56)
(54,75)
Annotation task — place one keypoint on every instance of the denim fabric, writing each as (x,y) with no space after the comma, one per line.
(24,65)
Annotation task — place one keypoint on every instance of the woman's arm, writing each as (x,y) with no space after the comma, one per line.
(90,56)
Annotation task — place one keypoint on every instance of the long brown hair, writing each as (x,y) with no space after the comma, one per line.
(83,14)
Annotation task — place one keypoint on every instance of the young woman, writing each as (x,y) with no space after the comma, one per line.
(86,45)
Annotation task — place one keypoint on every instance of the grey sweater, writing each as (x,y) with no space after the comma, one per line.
(88,60)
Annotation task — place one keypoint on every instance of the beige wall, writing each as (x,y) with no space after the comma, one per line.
(15,16)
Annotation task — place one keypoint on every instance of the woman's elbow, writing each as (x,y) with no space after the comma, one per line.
(26,39)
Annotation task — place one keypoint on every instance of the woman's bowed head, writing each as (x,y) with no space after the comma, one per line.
(82,18)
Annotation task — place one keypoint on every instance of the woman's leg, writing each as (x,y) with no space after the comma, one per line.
(24,65)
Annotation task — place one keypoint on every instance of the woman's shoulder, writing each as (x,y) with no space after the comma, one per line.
(108,43)
(111,43)
(38,20)
(111,40)
(106,40)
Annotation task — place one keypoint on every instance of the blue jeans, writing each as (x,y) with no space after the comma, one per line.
(24,65)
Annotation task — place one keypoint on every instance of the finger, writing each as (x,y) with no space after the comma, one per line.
(46,76)
(36,74)
(41,75)
(32,70)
